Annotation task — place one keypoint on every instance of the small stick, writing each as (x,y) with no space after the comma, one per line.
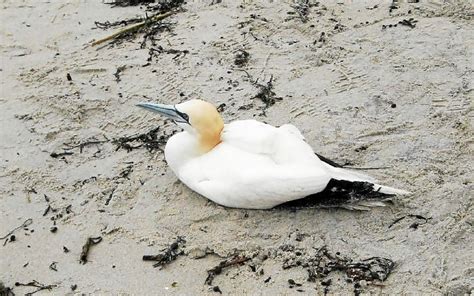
(35,284)
(212,273)
(85,249)
(24,224)
(133,27)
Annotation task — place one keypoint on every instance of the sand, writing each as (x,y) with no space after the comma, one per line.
(398,98)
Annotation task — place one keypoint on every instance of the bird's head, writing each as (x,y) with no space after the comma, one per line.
(197,117)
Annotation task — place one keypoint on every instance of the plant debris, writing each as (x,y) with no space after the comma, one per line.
(149,140)
(155,52)
(35,284)
(6,291)
(302,8)
(149,26)
(217,289)
(213,272)
(60,154)
(266,93)
(8,236)
(241,58)
(53,266)
(413,225)
(117,73)
(124,3)
(323,263)
(409,23)
(168,254)
(91,241)
(82,145)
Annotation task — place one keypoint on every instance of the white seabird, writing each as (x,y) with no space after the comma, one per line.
(249,164)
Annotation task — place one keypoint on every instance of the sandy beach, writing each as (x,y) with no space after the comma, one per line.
(368,84)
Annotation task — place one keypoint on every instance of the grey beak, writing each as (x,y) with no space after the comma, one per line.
(169,111)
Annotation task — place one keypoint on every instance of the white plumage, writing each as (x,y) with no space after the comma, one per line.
(246,163)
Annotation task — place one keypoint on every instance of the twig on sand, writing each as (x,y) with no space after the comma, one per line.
(168,254)
(91,241)
(134,27)
(35,284)
(213,272)
(24,224)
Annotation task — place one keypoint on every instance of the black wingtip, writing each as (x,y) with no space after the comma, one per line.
(328,161)
(339,193)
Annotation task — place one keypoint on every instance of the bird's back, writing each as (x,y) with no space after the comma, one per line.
(283,145)
(255,166)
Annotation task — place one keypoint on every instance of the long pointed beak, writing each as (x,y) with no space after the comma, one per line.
(169,111)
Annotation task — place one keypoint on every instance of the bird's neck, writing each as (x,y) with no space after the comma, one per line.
(207,140)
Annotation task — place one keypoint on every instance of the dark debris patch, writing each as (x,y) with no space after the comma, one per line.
(8,237)
(124,3)
(35,284)
(91,241)
(154,52)
(215,271)
(148,26)
(302,9)
(61,154)
(6,291)
(169,254)
(323,263)
(241,58)
(149,140)
(266,93)
(414,225)
(411,22)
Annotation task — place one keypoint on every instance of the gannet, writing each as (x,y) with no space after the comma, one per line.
(249,164)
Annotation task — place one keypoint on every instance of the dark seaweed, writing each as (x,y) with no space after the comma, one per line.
(35,284)
(150,29)
(323,263)
(213,272)
(149,140)
(169,254)
(266,93)
(155,52)
(6,291)
(302,8)
(413,225)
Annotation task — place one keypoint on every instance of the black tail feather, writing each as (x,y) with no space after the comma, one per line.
(339,193)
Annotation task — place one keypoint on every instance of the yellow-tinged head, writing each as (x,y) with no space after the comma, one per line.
(195,116)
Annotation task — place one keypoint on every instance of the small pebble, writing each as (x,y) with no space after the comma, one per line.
(53,229)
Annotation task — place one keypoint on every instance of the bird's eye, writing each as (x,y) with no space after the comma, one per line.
(185,116)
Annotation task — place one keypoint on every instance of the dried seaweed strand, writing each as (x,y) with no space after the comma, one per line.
(24,224)
(133,27)
(213,272)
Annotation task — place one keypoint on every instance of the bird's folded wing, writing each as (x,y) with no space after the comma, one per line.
(262,190)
